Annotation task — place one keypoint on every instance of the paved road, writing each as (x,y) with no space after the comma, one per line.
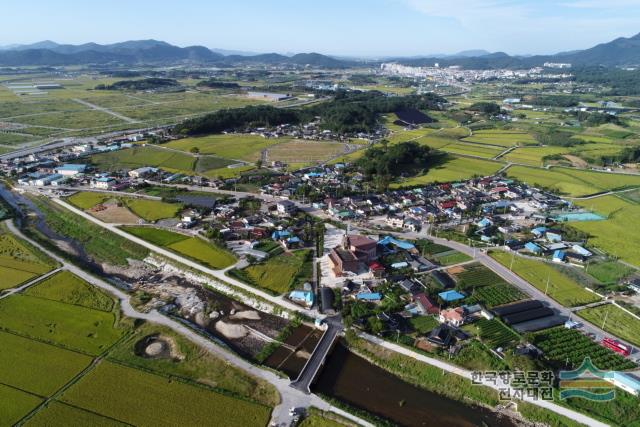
(290,397)
(218,274)
(467,374)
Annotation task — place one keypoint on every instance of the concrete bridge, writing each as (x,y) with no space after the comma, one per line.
(317,358)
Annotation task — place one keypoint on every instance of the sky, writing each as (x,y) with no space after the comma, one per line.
(367,28)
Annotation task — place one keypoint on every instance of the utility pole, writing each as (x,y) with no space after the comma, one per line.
(513,258)
(548,281)
(606,315)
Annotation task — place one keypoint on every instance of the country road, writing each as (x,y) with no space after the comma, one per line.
(290,397)
(104,110)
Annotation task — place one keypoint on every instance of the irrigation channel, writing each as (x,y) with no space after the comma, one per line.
(357,382)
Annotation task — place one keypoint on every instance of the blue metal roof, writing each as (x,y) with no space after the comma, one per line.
(399,243)
(451,295)
(533,247)
(369,296)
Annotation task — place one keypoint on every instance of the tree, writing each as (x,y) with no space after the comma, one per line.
(195,150)
(259,163)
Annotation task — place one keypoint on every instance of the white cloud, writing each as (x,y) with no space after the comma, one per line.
(600,4)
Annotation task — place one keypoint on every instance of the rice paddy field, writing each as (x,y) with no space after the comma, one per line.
(159,400)
(304,152)
(64,112)
(452,169)
(19,262)
(533,156)
(503,138)
(619,233)
(561,287)
(192,247)
(614,320)
(49,341)
(478,150)
(572,182)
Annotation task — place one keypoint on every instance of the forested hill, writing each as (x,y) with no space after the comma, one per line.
(348,112)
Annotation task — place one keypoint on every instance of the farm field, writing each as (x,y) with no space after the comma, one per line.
(66,287)
(561,287)
(149,210)
(533,156)
(616,321)
(495,334)
(497,294)
(450,258)
(452,169)
(191,247)
(619,233)
(136,157)
(304,152)
(36,367)
(572,182)
(472,150)
(504,138)
(278,273)
(609,272)
(230,146)
(561,345)
(159,400)
(19,262)
(57,413)
(70,326)
(15,404)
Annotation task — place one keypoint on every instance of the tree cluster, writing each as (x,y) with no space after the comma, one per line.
(490,108)
(143,84)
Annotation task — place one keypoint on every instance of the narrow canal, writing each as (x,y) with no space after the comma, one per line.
(355,381)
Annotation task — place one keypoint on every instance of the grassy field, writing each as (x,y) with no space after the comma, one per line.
(278,273)
(70,326)
(152,210)
(15,404)
(19,262)
(158,400)
(192,247)
(533,155)
(561,287)
(609,272)
(485,151)
(619,233)
(69,288)
(36,367)
(452,169)
(305,152)
(572,182)
(136,157)
(238,147)
(87,199)
(615,320)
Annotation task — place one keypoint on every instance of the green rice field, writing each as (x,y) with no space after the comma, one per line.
(237,147)
(615,320)
(19,262)
(452,169)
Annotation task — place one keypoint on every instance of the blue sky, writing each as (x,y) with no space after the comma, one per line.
(340,27)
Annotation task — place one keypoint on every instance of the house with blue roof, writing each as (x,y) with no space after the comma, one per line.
(559,256)
(69,169)
(369,296)
(553,237)
(484,222)
(580,250)
(538,231)
(280,235)
(302,297)
(533,248)
(451,295)
(390,243)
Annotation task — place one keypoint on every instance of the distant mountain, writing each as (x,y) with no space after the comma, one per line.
(148,52)
(621,51)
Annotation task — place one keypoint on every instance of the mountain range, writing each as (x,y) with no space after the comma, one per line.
(619,52)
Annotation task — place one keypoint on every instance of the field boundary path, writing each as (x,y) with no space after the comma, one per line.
(105,110)
(8,292)
(290,397)
(576,416)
